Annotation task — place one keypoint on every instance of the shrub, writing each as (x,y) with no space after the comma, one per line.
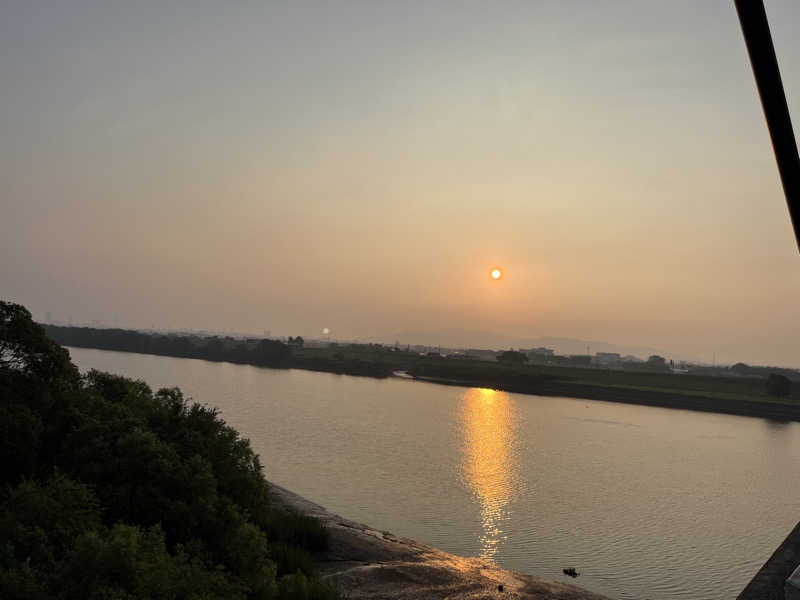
(290,559)
(300,587)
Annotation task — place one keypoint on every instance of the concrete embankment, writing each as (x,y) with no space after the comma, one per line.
(770,581)
(367,564)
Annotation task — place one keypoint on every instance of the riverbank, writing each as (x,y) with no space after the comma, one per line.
(777,411)
(366,564)
(735,394)
(770,581)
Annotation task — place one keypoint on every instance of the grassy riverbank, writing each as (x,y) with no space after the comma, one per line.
(738,396)
(725,391)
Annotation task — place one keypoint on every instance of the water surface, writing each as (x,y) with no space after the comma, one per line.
(645,502)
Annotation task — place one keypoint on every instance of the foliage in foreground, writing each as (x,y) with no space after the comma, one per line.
(113,491)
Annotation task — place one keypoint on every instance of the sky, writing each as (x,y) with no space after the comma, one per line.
(362,166)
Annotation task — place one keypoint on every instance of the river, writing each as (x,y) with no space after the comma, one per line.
(644,502)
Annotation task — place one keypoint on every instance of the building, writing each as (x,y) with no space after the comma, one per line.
(607,358)
(542,351)
(631,358)
(579,360)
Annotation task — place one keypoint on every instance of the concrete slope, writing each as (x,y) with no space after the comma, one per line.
(367,564)
(769,582)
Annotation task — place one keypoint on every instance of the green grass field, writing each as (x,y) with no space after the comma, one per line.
(731,387)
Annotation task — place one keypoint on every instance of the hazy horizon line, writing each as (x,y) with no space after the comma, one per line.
(524,342)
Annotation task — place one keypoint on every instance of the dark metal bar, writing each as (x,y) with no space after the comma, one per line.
(755,28)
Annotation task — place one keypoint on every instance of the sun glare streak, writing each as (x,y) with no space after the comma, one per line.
(489,460)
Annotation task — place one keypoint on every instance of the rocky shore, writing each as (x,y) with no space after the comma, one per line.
(367,564)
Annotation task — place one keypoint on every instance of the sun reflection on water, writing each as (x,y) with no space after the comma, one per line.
(489,460)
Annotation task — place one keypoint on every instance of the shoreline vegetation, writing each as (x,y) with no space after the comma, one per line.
(730,393)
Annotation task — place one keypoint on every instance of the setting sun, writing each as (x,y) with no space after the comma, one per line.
(496,274)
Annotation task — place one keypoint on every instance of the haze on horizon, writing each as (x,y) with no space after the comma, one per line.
(363,166)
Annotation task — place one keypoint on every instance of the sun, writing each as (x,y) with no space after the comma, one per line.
(496,274)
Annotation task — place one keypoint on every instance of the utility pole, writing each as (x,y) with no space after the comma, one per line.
(755,28)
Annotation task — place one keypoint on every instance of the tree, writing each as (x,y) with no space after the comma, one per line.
(778,385)
(656,361)
(26,349)
(269,352)
(111,491)
(512,357)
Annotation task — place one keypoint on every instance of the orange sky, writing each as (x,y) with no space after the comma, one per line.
(289,168)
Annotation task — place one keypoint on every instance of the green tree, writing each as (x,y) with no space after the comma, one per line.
(36,379)
(297,342)
(512,357)
(128,562)
(109,490)
(39,522)
(24,347)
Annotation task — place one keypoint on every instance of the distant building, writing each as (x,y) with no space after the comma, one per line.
(579,360)
(607,358)
(541,351)
(462,356)
(540,356)
(481,354)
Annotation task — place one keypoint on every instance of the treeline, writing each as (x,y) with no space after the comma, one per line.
(110,490)
(757,371)
(344,365)
(258,352)
(253,352)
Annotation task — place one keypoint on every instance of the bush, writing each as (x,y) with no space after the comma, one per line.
(300,587)
(290,559)
(296,529)
(128,562)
